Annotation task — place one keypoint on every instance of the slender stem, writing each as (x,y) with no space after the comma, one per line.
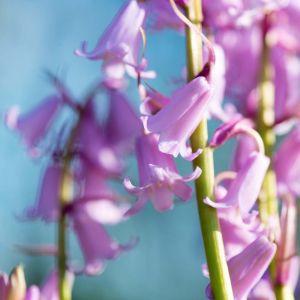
(268,203)
(66,192)
(212,237)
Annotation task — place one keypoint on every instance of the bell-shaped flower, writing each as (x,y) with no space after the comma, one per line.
(242,48)
(97,246)
(49,289)
(263,290)
(248,267)
(122,125)
(162,15)
(46,206)
(287,162)
(122,39)
(93,146)
(34,125)
(158,176)
(287,262)
(239,225)
(176,121)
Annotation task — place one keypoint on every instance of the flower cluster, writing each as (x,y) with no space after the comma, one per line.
(253,59)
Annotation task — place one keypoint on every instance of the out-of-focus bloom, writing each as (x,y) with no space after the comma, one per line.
(122,125)
(97,246)
(33,126)
(121,41)
(242,49)
(236,13)
(46,206)
(16,287)
(159,178)
(92,144)
(286,76)
(286,164)
(287,262)
(176,121)
(49,290)
(163,15)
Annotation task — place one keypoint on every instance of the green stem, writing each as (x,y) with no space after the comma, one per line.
(66,192)
(268,203)
(212,237)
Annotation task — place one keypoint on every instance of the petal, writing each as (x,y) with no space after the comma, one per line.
(181,102)
(247,268)
(162,198)
(46,207)
(33,126)
(106,211)
(123,124)
(182,190)
(33,293)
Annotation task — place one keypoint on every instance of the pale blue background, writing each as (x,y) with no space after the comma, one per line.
(42,34)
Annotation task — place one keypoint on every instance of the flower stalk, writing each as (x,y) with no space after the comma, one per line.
(212,237)
(66,192)
(268,203)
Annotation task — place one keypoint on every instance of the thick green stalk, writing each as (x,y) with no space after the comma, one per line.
(268,203)
(212,237)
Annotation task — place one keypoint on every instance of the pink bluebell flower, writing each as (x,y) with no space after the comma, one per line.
(286,164)
(158,176)
(122,125)
(176,121)
(97,246)
(34,125)
(122,40)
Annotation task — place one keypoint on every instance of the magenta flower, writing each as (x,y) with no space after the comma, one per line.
(244,189)
(242,47)
(248,267)
(122,39)
(176,121)
(34,125)
(286,164)
(162,15)
(122,125)
(288,263)
(46,206)
(49,290)
(159,178)
(97,246)
(93,146)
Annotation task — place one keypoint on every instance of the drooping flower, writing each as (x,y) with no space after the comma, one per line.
(287,262)
(176,121)
(240,225)
(91,143)
(122,125)
(34,125)
(121,41)
(248,267)
(158,176)
(286,164)
(46,206)
(97,246)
